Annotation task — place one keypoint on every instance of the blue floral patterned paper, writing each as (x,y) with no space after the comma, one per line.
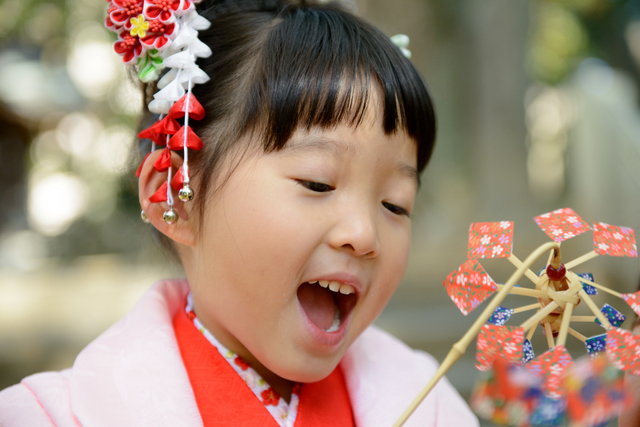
(527,351)
(614,316)
(596,344)
(500,316)
(549,412)
(590,290)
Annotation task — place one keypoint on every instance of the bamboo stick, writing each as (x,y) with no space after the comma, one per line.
(527,308)
(552,255)
(564,326)
(594,308)
(460,347)
(583,318)
(532,331)
(601,287)
(527,292)
(584,258)
(530,274)
(568,296)
(577,334)
(539,316)
(549,334)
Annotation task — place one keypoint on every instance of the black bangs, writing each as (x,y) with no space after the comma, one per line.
(278,65)
(319,68)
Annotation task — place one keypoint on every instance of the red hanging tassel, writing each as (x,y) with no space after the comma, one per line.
(160,195)
(169,125)
(177,141)
(178,179)
(196,111)
(163,162)
(139,171)
(155,132)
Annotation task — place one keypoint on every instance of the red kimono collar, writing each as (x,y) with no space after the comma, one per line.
(224,399)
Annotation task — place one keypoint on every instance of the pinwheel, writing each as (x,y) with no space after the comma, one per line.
(557,290)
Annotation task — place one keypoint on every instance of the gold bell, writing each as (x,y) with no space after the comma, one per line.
(170,216)
(186,193)
(144,216)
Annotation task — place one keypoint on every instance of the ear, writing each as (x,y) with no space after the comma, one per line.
(184,229)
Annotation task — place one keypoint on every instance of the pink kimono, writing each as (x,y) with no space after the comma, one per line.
(133,375)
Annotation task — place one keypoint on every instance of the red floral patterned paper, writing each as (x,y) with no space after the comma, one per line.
(552,366)
(561,224)
(507,394)
(595,392)
(494,341)
(614,241)
(623,349)
(490,239)
(469,285)
(633,300)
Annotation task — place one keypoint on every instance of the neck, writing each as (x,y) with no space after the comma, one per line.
(280,385)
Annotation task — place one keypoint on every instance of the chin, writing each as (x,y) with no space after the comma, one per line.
(308,369)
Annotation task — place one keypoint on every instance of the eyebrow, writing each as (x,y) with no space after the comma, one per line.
(334,146)
(410,172)
(319,143)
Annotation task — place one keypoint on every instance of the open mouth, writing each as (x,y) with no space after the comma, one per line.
(327,303)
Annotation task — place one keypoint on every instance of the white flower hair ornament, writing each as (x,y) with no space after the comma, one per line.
(402,41)
(158,34)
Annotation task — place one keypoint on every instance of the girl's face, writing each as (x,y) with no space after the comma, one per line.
(302,248)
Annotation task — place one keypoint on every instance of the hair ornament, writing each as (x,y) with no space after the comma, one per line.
(402,41)
(154,35)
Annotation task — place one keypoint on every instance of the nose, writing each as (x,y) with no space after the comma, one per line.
(356,230)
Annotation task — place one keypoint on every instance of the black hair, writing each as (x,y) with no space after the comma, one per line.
(279,65)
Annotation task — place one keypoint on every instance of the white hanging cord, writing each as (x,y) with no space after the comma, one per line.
(185,165)
(169,192)
(153,143)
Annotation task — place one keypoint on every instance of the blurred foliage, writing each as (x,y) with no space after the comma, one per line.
(564,32)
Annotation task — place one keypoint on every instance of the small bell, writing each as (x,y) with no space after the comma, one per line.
(170,216)
(186,193)
(144,216)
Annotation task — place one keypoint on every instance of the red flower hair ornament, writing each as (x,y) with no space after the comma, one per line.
(153,35)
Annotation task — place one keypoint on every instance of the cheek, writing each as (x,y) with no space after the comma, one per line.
(265,231)
(393,264)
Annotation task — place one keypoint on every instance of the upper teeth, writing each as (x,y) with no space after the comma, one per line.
(335,286)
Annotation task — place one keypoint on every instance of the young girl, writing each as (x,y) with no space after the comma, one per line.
(315,130)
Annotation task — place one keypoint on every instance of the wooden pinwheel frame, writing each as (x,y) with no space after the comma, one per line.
(557,289)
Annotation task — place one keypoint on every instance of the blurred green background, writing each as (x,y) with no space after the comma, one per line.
(538,109)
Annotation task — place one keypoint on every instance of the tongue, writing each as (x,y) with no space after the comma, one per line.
(318,303)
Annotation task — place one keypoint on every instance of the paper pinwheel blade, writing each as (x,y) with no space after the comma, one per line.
(633,300)
(500,316)
(561,224)
(490,239)
(623,348)
(469,285)
(595,392)
(590,290)
(613,316)
(548,412)
(527,351)
(512,394)
(614,241)
(595,345)
(494,341)
(507,394)
(552,366)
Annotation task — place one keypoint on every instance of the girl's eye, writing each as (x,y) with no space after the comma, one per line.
(317,187)
(396,209)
